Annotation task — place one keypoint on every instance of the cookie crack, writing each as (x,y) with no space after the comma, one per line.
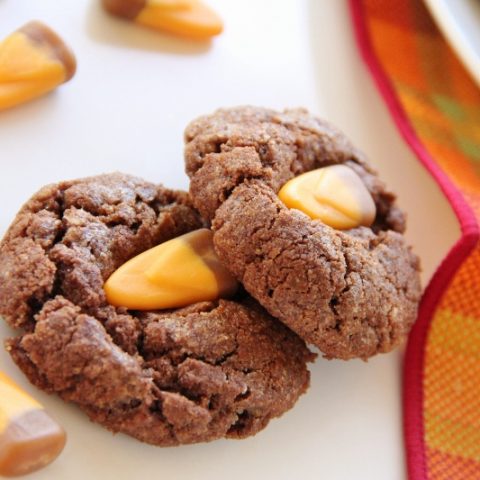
(156,407)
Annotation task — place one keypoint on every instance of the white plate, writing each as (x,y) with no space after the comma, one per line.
(459,20)
(125,110)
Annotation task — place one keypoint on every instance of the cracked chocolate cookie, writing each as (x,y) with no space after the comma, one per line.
(353,292)
(213,369)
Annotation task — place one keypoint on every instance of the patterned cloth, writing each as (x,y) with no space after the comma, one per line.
(437,108)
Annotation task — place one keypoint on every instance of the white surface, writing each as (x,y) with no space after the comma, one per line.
(459,20)
(125,110)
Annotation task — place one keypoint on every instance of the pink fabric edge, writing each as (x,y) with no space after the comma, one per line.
(415,352)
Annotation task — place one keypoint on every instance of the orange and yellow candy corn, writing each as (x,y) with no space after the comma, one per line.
(188,18)
(33,61)
(29,438)
(176,273)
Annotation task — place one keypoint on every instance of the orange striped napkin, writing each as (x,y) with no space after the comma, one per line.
(436,106)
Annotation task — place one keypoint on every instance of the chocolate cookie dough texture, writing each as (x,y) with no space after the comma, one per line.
(187,18)
(352,292)
(221,368)
(33,61)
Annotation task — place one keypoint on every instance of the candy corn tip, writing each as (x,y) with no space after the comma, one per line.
(40,33)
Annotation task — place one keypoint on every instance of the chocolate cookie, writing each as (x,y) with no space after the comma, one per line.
(352,293)
(209,370)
